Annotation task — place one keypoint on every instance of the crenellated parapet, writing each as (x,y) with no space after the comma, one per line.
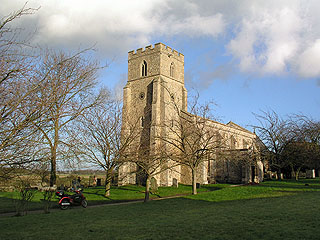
(158,47)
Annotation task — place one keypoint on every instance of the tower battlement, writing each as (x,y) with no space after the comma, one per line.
(158,47)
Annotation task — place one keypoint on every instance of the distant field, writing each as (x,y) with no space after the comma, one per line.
(272,210)
(62,179)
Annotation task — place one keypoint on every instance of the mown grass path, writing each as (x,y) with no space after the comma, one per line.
(272,210)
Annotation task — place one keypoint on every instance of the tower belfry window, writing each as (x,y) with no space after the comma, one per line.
(172,69)
(144,69)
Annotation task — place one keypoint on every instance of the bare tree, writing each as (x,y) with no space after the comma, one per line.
(190,139)
(298,155)
(18,87)
(306,128)
(14,48)
(275,133)
(98,137)
(143,152)
(291,143)
(149,163)
(68,85)
(311,130)
(303,151)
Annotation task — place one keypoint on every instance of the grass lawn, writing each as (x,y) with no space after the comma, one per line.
(96,195)
(271,210)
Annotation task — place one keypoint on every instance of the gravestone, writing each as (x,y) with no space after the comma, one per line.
(175,182)
(154,184)
(310,173)
(269,175)
(99,182)
(90,181)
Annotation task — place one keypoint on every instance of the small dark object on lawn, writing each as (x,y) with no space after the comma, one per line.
(306,184)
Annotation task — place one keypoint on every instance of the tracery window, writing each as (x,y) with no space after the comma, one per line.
(144,69)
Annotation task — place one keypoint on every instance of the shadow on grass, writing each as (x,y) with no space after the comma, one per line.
(305,184)
(211,188)
(132,190)
(96,194)
(7,205)
(179,218)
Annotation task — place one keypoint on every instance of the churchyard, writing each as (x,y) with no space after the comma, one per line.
(270,210)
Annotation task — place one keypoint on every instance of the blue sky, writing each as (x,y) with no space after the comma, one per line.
(246,56)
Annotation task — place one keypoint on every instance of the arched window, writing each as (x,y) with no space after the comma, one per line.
(172,69)
(233,142)
(144,69)
(245,144)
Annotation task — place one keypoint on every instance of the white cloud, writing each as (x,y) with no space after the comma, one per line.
(196,25)
(278,37)
(267,37)
(115,25)
(267,40)
(309,61)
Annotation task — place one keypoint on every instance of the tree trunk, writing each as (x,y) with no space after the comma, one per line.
(293,173)
(53,172)
(147,192)
(108,182)
(279,174)
(297,173)
(194,181)
(53,176)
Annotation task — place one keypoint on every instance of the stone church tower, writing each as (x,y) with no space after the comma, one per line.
(155,77)
(155,81)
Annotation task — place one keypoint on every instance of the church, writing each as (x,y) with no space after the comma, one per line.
(156,79)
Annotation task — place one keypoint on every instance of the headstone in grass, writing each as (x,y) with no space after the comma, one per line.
(175,182)
(310,174)
(98,181)
(154,184)
(269,175)
(281,176)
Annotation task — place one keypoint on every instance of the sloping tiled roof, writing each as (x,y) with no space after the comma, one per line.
(229,124)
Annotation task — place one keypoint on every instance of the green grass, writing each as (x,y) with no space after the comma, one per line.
(96,195)
(271,210)
(266,189)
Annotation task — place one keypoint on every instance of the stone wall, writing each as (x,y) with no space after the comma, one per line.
(151,98)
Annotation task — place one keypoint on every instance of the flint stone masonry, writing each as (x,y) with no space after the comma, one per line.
(159,59)
(146,99)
